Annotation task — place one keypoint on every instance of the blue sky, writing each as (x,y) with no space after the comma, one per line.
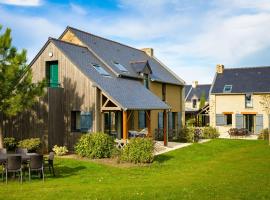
(190,37)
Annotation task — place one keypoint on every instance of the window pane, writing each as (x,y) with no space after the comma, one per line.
(120,67)
(101,70)
(227,88)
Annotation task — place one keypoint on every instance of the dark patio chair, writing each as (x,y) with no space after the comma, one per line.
(21,151)
(14,164)
(3,152)
(36,164)
(50,163)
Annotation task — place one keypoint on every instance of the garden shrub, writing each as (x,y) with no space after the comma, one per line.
(95,145)
(197,134)
(210,133)
(138,150)
(186,134)
(264,135)
(32,144)
(60,150)
(10,143)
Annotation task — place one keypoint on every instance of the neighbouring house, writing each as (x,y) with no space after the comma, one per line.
(193,111)
(236,96)
(96,84)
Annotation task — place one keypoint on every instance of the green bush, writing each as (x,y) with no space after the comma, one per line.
(138,150)
(10,143)
(95,145)
(264,135)
(60,150)
(186,134)
(32,144)
(210,133)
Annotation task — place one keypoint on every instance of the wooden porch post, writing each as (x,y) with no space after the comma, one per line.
(165,128)
(148,123)
(125,125)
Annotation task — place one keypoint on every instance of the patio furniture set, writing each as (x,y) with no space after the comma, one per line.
(21,160)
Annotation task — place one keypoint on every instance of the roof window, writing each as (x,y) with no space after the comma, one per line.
(101,70)
(120,67)
(227,88)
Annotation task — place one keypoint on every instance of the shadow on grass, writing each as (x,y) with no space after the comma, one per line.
(162,158)
(64,171)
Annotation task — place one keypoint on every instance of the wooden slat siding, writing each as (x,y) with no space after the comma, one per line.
(78,94)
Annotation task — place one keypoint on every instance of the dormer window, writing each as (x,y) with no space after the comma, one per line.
(120,67)
(194,103)
(248,101)
(101,70)
(146,80)
(227,88)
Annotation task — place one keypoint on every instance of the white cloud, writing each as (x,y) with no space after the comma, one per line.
(78,9)
(22,2)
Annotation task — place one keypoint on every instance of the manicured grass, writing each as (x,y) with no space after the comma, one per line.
(219,169)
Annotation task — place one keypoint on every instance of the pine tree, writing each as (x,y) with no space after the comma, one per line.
(18,93)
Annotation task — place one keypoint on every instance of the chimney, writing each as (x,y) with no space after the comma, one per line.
(219,68)
(194,84)
(149,51)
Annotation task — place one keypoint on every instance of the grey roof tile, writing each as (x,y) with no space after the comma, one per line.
(243,80)
(130,94)
(110,51)
(198,91)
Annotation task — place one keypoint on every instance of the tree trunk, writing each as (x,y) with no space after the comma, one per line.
(1,131)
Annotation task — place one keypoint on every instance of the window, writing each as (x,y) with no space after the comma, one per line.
(171,120)
(163,92)
(120,67)
(146,80)
(194,103)
(248,101)
(101,70)
(227,88)
(52,73)
(81,121)
(228,119)
(142,119)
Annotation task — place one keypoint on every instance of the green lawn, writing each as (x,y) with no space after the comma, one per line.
(219,169)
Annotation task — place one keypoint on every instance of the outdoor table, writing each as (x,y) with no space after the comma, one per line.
(25,157)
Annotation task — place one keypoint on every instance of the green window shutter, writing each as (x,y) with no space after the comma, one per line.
(86,121)
(239,121)
(179,120)
(220,120)
(54,75)
(259,123)
(160,120)
(141,119)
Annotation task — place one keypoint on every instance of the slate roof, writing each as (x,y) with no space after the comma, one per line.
(198,91)
(110,51)
(128,93)
(243,80)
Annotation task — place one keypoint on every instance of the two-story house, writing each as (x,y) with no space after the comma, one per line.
(236,98)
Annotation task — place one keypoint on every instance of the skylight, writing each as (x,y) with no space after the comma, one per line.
(101,70)
(120,67)
(227,88)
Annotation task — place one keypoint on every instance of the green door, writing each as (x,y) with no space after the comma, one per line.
(54,75)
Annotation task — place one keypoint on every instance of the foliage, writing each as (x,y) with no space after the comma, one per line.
(95,145)
(210,133)
(202,100)
(264,135)
(190,122)
(139,150)
(60,150)
(197,134)
(186,134)
(18,93)
(10,143)
(32,144)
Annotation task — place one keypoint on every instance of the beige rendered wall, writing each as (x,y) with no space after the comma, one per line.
(234,103)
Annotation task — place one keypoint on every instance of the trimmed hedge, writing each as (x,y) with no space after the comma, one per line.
(138,150)
(210,133)
(95,145)
(32,144)
(264,135)
(10,143)
(186,134)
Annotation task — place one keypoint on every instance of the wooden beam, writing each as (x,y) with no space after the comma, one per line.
(249,113)
(148,123)
(165,128)
(125,126)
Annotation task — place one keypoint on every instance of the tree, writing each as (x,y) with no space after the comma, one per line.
(202,100)
(265,103)
(18,93)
